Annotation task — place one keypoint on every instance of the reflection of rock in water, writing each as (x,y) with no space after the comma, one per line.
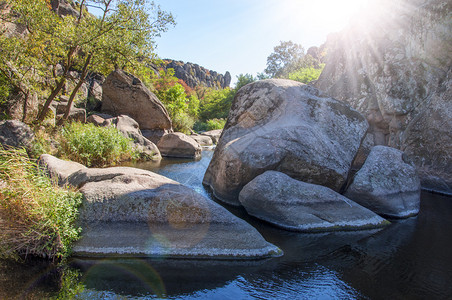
(408,259)
(163,277)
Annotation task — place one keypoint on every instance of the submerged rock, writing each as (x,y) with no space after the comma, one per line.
(294,205)
(133,212)
(180,145)
(386,184)
(289,127)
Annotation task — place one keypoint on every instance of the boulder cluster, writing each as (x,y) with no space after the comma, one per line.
(286,156)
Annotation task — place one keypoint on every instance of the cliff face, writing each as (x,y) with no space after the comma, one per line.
(195,75)
(395,68)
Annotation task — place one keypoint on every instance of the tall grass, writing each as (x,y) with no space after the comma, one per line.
(95,146)
(36,216)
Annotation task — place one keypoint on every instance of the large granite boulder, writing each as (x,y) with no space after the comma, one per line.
(289,127)
(58,169)
(125,94)
(393,64)
(387,184)
(16,134)
(180,145)
(133,212)
(295,205)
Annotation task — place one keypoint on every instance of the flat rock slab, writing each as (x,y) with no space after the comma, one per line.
(217,241)
(133,212)
(294,205)
(59,169)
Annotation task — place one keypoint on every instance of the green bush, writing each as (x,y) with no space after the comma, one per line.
(36,216)
(95,146)
(306,75)
(211,124)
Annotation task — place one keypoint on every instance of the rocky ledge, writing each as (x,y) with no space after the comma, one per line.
(137,213)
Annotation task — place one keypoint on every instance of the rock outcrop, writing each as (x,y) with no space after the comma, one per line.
(386,184)
(130,212)
(394,66)
(125,94)
(180,145)
(295,205)
(58,169)
(194,75)
(16,134)
(289,127)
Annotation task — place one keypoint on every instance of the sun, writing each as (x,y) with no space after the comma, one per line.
(332,15)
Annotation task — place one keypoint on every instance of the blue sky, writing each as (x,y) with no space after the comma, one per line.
(238,35)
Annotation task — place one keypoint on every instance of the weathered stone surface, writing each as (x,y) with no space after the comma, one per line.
(132,212)
(289,127)
(394,66)
(125,94)
(178,144)
(386,184)
(16,134)
(295,205)
(214,135)
(130,128)
(202,140)
(19,107)
(96,120)
(59,169)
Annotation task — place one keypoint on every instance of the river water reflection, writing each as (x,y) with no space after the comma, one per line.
(409,259)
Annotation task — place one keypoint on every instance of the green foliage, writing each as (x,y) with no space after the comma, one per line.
(215,104)
(36,216)
(306,75)
(95,146)
(243,80)
(289,60)
(285,56)
(123,36)
(211,124)
(182,108)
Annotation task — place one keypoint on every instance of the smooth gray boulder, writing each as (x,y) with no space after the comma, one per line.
(16,134)
(58,169)
(295,205)
(213,134)
(387,184)
(180,145)
(286,126)
(202,140)
(125,94)
(130,128)
(133,212)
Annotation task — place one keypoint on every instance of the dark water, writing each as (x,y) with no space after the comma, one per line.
(410,259)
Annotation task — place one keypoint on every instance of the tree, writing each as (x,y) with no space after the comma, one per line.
(121,37)
(244,79)
(286,57)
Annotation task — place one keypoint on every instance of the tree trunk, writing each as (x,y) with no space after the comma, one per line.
(77,87)
(45,109)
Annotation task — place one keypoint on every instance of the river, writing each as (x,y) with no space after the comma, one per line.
(409,259)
